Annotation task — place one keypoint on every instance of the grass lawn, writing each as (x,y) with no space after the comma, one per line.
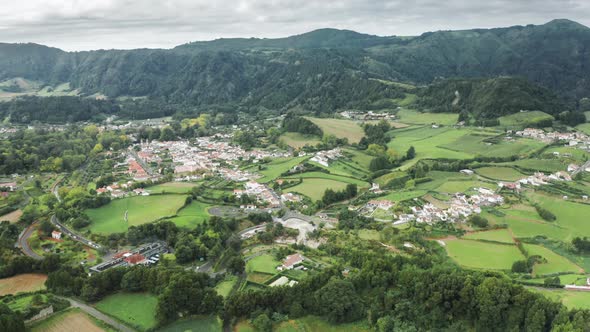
(571,299)
(499,235)
(192,215)
(317,324)
(72,320)
(275,168)
(369,234)
(195,324)
(500,173)
(264,263)
(23,302)
(462,186)
(340,128)
(483,255)
(314,188)
(225,286)
(404,195)
(171,188)
(298,140)
(141,210)
(555,263)
(136,309)
(415,117)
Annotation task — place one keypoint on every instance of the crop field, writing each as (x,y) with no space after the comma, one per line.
(474,143)
(171,188)
(415,117)
(571,299)
(483,255)
(73,320)
(141,210)
(340,128)
(555,263)
(524,119)
(136,309)
(195,324)
(28,282)
(264,263)
(500,173)
(225,286)
(314,188)
(12,217)
(275,168)
(192,215)
(298,140)
(499,235)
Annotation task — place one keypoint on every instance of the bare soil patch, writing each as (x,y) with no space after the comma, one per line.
(12,217)
(28,282)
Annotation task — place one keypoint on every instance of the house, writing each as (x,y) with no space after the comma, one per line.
(381,204)
(56,235)
(11,186)
(290,262)
(134,259)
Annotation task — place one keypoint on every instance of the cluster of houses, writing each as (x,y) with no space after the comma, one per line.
(146,254)
(574,139)
(537,179)
(461,206)
(325,157)
(367,116)
(116,190)
(263,194)
(212,154)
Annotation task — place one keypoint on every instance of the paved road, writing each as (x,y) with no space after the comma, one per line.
(23,242)
(582,168)
(98,315)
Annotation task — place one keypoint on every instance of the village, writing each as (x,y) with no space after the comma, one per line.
(573,139)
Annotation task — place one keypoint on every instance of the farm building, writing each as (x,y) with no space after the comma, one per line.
(290,262)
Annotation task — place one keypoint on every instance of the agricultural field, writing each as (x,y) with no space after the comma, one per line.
(265,263)
(584,127)
(316,324)
(192,215)
(359,158)
(140,210)
(320,175)
(483,255)
(344,168)
(171,188)
(340,128)
(571,299)
(555,263)
(314,188)
(275,168)
(28,282)
(224,287)
(298,140)
(23,302)
(12,217)
(135,309)
(524,119)
(499,235)
(543,165)
(73,320)
(475,143)
(463,186)
(500,173)
(195,324)
(571,216)
(414,117)
(398,196)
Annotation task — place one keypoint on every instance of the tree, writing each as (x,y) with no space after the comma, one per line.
(262,323)
(520,267)
(338,301)
(46,228)
(411,153)
(477,220)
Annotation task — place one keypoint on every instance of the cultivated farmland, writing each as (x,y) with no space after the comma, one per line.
(483,255)
(136,309)
(340,128)
(28,282)
(73,320)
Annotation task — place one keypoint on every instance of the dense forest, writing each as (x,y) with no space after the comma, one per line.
(325,69)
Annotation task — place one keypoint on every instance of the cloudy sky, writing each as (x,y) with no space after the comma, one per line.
(96,24)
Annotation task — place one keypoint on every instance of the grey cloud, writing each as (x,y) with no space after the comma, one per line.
(79,25)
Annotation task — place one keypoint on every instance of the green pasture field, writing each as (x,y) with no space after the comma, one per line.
(171,188)
(264,263)
(524,119)
(314,188)
(555,263)
(584,127)
(317,324)
(415,117)
(428,143)
(483,255)
(192,215)
(195,324)
(326,176)
(571,216)
(23,302)
(359,158)
(369,234)
(136,309)
(224,287)
(499,235)
(386,178)
(500,173)
(341,167)
(571,299)
(340,128)
(298,140)
(576,154)
(141,210)
(474,143)
(275,168)
(543,165)
(463,186)
(399,196)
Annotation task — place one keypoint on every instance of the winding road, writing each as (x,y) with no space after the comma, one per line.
(23,242)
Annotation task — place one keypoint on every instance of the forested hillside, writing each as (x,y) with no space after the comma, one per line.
(323,70)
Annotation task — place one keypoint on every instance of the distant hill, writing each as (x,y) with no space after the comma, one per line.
(323,70)
(488,98)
